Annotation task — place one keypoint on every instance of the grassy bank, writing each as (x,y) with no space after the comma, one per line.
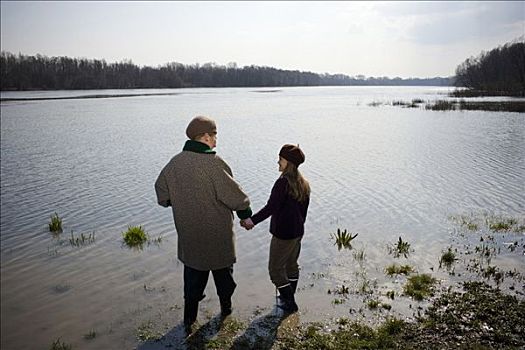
(478,317)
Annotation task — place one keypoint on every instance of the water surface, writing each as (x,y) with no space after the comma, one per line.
(383,172)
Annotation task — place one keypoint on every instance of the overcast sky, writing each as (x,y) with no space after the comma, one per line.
(406,39)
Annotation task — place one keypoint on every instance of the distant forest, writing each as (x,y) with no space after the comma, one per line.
(22,72)
(500,71)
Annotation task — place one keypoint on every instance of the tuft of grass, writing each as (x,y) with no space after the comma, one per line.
(419,286)
(391,294)
(400,248)
(343,290)
(395,269)
(338,301)
(92,334)
(343,239)
(372,304)
(135,236)
(447,258)
(59,345)
(56,223)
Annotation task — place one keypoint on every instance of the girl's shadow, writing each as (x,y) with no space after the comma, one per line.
(261,333)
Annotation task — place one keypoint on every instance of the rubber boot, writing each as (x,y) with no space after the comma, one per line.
(191,309)
(287,296)
(293,284)
(226,307)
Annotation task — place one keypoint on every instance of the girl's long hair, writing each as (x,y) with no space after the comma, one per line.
(298,188)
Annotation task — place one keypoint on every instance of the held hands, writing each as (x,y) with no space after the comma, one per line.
(247,224)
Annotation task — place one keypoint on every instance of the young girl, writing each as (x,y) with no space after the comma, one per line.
(288,206)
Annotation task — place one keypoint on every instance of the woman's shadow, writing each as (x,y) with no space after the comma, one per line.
(177,338)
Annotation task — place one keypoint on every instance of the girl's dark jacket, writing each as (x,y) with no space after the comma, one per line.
(288,215)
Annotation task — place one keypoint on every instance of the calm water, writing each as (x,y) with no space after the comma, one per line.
(382,172)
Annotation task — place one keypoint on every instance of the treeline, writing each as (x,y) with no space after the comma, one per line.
(22,72)
(500,71)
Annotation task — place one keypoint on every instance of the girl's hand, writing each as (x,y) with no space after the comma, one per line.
(247,224)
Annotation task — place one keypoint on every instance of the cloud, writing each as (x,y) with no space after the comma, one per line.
(445,23)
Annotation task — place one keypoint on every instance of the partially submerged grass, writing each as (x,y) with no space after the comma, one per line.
(146,331)
(494,223)
(501,224)
(59,345)
(414,104)
(56,223)
(494,273)
(419,286)
(82,239)
(92,334)
(343,290)
(441,105)
(491,106)
(373,304)
(400,248)
(395,269)
(359,255)
(447,259)
(135,236)
(343,239)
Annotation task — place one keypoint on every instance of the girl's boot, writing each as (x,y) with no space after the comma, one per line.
(286,295)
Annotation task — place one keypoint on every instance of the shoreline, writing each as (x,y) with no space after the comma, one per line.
(477,312)
(85,97)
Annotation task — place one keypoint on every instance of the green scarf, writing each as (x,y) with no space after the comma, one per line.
(197,147)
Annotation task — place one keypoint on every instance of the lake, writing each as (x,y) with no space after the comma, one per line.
(375,169)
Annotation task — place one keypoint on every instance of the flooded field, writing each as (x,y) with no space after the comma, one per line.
(414,184)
